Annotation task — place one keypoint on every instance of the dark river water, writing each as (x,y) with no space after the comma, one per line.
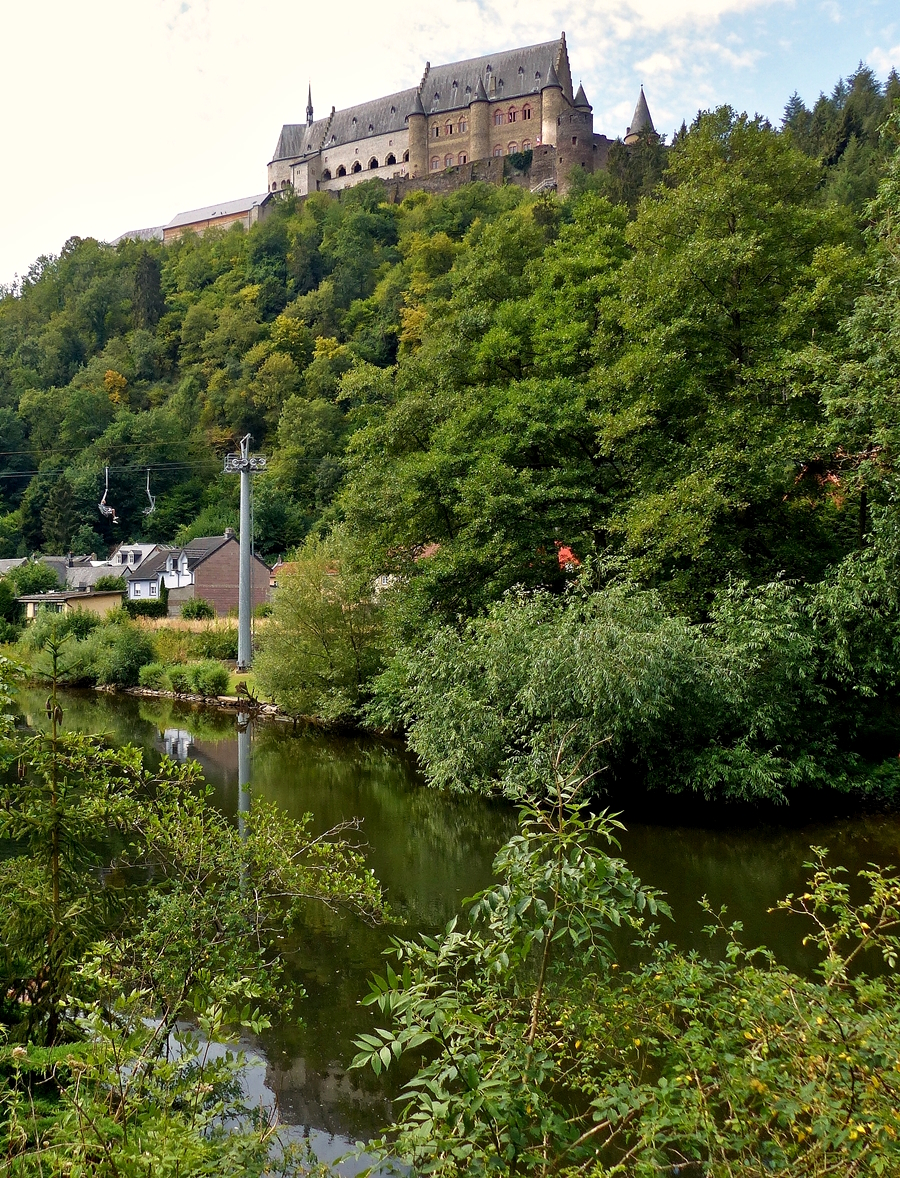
(430,851)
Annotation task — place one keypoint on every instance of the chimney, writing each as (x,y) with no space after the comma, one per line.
(229,533)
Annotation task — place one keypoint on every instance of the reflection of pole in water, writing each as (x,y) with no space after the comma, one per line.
(243,739)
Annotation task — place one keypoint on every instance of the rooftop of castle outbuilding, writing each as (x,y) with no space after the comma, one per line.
(210,212)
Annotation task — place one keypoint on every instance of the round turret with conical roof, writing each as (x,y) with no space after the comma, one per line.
(418,138)
(553,102)
(581,102)
(641,122)
(479,123)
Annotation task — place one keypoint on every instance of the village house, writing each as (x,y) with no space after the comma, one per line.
(64,601)
(207,567)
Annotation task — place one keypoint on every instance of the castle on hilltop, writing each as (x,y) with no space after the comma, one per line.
(506,117)
(486,108)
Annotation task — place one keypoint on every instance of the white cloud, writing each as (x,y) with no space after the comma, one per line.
(884,60)
(657,64)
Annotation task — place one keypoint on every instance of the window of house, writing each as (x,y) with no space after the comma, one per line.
(511,148)
(326,175)
(373,162)
(498,151)
(463,126)
(435,163)
(371,127)
(274,186)
(448,161)
(436,131)
(463,158)
(391,158)
(526,145)
(137,590)
(342,171)
(154,589)
(406,157)
(357,166)
(498,118)
(448,130)
(526,112)
(511,116)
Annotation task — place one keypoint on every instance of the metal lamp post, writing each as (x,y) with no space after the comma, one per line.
(244,464)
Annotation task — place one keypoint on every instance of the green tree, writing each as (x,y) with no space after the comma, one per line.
(322,643)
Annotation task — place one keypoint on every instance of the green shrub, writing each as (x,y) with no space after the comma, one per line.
(110,582)
(154,676)
(8,631)
(146,609)
(264,610)
(180,679)
(219,642)
(33,577)
(124,649)
(197,608)
(208,678)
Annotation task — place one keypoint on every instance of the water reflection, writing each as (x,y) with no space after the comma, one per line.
(430,851)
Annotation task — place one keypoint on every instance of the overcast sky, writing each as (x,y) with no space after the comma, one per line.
(121,113)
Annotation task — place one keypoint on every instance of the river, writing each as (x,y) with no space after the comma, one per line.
(430,851)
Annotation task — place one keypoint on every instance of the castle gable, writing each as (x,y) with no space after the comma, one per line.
(510,74)
(299,139)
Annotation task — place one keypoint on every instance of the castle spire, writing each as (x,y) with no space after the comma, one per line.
(309,107)
(641,122)
(581,102)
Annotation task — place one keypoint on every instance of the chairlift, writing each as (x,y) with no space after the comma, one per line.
(107,511)
(149,510)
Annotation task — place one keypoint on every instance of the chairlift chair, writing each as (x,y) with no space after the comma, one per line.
(106,510)
(149,510)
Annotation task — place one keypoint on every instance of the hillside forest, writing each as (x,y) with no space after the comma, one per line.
(622,464)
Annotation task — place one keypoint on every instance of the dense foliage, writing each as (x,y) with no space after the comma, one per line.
(540,1056)
(127,904)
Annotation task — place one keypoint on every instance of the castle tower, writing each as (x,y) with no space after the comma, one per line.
(418,139)
(479,124)
(581,102)
(552,105)
(641,123)
(309,108)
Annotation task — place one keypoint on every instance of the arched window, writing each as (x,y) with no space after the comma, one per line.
(435,163)
(498,151)
(436,130)
(342,171)
(448,130)
(498,118)
(357,166)
(463,126)
(274,186)
(406,157)
(373,162)
(511,115)
(526,145)
(326,175)
(448,161)
(463,158)
(512,148)
(391,159)
(284,183)
(526,112)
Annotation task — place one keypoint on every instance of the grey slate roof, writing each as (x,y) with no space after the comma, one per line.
(640,120)
(155,233)
(581,99)
(380,116)
(80,576)
(13,563)
(220,210)
(513,73)
(510,74)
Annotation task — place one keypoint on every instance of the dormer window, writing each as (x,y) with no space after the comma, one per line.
(371,128)
(393,110)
